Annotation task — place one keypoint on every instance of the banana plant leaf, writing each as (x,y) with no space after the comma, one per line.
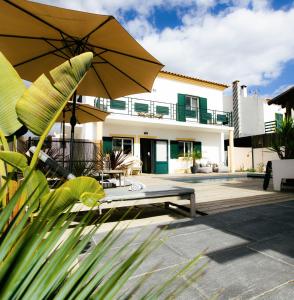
(84,189)
(11,89)
(44,100)
(15,159)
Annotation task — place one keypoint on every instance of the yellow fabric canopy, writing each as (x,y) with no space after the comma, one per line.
(37,37)
(84,113)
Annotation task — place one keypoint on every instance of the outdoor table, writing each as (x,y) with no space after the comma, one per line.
(109,172)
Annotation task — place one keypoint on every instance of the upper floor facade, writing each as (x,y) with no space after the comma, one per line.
(175,99)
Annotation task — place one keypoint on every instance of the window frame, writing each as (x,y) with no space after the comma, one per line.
(191,107)
(122,139)
(185,144)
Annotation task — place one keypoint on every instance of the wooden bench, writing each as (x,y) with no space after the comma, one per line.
(120,197)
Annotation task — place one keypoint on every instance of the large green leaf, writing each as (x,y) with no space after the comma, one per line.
(14,159)
(11,89)
(84,189)
(44,100)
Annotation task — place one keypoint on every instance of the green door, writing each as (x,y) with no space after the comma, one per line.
(181,108)
(161,157)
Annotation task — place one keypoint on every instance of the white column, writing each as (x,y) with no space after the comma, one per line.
(221,148)
(137,147)
(231,159)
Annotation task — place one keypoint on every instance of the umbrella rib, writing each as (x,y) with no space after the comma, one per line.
(28,37)
(98,27)
(125,74)
(89,113)
(39,56)
(66,56)
(125,54)
(36,17)
(101,81)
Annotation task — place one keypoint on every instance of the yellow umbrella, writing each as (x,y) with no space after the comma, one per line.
(85,113)
(37,37)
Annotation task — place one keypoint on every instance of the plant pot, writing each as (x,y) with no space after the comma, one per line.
(193,169)
(283,168)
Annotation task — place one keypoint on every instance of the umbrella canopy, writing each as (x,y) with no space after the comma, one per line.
(85,113)
(37,37)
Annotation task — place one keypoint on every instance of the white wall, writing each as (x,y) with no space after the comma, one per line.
(211,142)
(167,90)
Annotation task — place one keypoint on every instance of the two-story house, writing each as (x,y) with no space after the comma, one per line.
(180,115)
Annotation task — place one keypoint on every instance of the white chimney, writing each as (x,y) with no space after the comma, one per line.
(244,91)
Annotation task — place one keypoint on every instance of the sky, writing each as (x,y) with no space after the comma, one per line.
(217,40)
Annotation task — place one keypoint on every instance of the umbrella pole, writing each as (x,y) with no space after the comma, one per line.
(73,122)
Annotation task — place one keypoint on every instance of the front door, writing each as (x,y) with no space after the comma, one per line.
(161,157)
(154,155)
(146,152)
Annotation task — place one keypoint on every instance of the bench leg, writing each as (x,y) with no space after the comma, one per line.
(166,205)
(192,205)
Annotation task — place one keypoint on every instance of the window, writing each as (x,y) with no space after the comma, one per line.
(185,148)
(191,102)
(125,144)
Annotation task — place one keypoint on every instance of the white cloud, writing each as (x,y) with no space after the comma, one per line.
(248,40)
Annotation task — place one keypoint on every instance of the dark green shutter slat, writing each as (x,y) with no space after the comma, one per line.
(163,110)
(197,146)
(203,110)
(141,107)
(118,104)
(107,144)
(191,113)
(222,118)
(279,120)
(174,149)
(181,108)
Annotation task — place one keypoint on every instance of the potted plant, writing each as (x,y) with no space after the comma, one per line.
(194,155)
(283,145)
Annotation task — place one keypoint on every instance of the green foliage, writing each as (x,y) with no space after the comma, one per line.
(15,159)
(11,87)
(283,142)
(39,258)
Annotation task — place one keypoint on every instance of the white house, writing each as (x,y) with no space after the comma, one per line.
(180,114)
(251,113)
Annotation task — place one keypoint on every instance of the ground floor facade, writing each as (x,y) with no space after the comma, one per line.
(162,148)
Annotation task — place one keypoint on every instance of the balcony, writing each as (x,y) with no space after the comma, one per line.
(163,111)
(270,127)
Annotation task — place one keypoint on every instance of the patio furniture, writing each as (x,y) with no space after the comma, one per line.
(110,172)
(121,197)
(204,170)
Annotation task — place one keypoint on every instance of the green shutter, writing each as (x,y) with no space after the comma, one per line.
(107,144)
(174,149)
(118,104)
(162,110)
(197,146)
(141,107)
(222,118)
(203,110)
(191,113)
(181,108)
(279,120)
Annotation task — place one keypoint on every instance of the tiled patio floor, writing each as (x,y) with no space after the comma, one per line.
(249,251)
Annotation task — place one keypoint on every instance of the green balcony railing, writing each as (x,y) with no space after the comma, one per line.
(162,110)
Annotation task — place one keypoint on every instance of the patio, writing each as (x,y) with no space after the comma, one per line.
(249,250)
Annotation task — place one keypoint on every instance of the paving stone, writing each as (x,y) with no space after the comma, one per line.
(242,273)
(280,247)
(237,215)
(271,210)
(259,228)
(192,244)
(287,203)
(157,279)
(283,292)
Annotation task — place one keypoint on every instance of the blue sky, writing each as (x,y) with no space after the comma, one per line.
(217,40)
